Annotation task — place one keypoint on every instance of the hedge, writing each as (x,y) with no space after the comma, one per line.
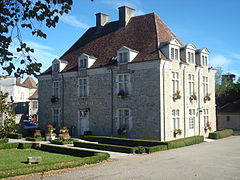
(61,142)
(67,150)
(109,147)
(220,134)
(8,145)
(19,145)
(184,142)
(3,140)
(122,141)
(34,139)
(14,135)
(155,148)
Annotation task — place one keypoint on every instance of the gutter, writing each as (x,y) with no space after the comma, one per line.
(62,104)
(164,112)
(184,101)
(199,105)
(111,99)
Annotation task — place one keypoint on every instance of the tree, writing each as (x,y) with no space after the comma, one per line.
(7,116)
(16,15)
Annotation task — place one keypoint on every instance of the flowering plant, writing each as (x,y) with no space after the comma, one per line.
(122,94)
(64,135)
(208,126)
(177,131)
(37,133)
(207,97)
(176,95)
(193,96)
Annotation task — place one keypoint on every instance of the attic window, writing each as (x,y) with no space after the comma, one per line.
(82,63)
(204,60)
(55,67)
(190,57)
(123,57)
(174,53)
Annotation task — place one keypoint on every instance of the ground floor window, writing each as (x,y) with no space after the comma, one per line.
(176,119)
(56,117)
(206,116)
(123,118)
(191,118)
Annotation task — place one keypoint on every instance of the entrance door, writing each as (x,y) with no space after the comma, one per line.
(191,129)
(83,122)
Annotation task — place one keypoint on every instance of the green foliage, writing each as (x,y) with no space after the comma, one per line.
(9,145)
(7,116)
(156,148)
(34,139)
(61,142)
(28,145)
(14,135)
(220,134)
(3,140)
(184,142)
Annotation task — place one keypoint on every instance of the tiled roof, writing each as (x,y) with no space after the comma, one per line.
(29,83)
(34,96)
(142,33)
(233,107)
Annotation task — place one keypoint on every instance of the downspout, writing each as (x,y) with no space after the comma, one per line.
(199,108)
(184,101)
(112,98)
(164,112)
(62,105)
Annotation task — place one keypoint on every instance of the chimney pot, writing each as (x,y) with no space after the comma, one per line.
(125,14)
(102,19)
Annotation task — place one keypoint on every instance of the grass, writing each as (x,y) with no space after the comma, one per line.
(14,161)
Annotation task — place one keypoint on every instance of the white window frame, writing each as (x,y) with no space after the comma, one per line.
(204,60)
(191,84)
(56,67)
(83,63)
(175,82)
(124,83)
(174,53)
(123,57)
(190,57)
(56,89)
(192,113)
(56,116)
(205,85)
(205,116)
(124,115)
(176,119)
(83,87)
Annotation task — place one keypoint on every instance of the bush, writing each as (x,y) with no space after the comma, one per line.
(184,142)
(8,145)
(221,134)
(34,139)
(61,142)
(108,147)
(14,135)
(28,145)
(155,148)
(3,140)
(67,150)
(122,141)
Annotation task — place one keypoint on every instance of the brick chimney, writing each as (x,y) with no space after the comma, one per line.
(102,19)
(125,14)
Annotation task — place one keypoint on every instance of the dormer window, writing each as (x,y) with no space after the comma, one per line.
(55,67)
(174,53)
(202,57)
(171,49)
(125,54)
(190,57)
(85,61)
(58,65)
(204,60)
(82,63)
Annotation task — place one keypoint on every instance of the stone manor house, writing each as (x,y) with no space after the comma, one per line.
(130,78)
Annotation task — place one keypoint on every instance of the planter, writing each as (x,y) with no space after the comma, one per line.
(50,138)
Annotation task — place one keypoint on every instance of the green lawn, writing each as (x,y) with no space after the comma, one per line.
(14,161)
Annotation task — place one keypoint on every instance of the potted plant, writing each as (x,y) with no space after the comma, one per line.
(208,126)
(193,96)
(122,94)
(64,134)
(54,99)
(122,131)
(207,97)
(177,95)
(37,134)
(177,132)
(50,134)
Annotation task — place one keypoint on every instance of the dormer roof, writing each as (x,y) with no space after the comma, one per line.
(203,50)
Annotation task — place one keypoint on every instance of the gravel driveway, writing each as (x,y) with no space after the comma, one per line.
(212,160)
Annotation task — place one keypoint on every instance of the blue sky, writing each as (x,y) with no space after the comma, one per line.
(207,23)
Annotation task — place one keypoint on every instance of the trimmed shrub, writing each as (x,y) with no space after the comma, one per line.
(184,142)
(3,140)
(108,147)
(67,150)
(8,145)
(28,146)
(14,135)
(220,134)
(61,142)
(122,141)
(34,139)
(155,148)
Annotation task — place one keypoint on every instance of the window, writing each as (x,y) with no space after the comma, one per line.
(35,104)
(123,118)
(123,57)
(123,83)
(176,119)
(83,114)
(83,87)
(56,90)
(205,85)
(175,82)
(190,57)
(191,118)
(191,84)
(55,67)
(204,60)
(82,63)
(228,118)
(205,116)
(174,54)
(22,96)
(56,117)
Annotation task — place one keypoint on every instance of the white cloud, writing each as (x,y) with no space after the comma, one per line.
(136,4)
(237,56)
(219,60)
(72,20)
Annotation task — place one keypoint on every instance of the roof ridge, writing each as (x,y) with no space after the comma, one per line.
(156,29)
